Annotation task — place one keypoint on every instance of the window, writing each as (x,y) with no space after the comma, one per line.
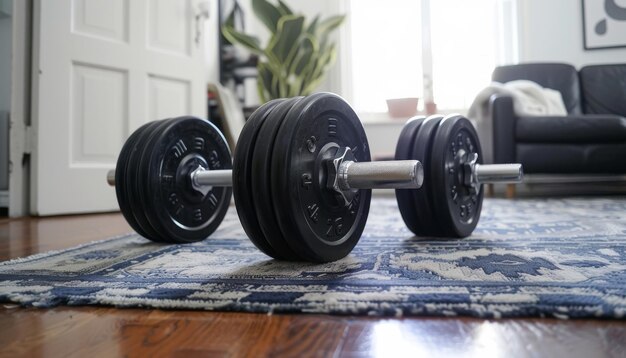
(441,49)
(386,52)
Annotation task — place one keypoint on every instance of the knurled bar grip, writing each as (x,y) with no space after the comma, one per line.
(499,173)
(394,174)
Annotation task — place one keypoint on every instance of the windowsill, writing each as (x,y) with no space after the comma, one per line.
(379,118)
(384,117)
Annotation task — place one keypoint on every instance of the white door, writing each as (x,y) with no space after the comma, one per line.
(103,68)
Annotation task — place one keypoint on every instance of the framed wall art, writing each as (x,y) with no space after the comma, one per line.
(604,24)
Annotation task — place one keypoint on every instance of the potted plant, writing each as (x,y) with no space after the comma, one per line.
(297,55)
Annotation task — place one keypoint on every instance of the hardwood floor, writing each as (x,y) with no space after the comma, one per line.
(103,331)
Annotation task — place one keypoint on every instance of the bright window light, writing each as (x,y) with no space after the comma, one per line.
(468,39)
(463,50)
(386,52)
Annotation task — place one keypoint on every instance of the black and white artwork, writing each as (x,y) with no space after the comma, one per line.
(604,23)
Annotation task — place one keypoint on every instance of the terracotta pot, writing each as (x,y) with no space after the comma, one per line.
(430,108)
(402,107)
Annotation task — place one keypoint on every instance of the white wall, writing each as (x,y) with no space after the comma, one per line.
(552,30)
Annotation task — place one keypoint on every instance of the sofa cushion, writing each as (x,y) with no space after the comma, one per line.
(558,76)
(604,89)
(572,158)
(592,128)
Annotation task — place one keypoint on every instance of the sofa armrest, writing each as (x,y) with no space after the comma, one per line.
(503,117)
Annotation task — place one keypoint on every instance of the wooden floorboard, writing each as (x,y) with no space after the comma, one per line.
(105,331)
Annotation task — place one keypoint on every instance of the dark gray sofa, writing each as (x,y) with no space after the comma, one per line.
(591,139)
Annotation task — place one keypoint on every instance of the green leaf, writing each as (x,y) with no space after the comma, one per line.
(331,55)
(284,9)
(260,87)
(271,78)
(286,37)
(250,42)
(313,25)
(330,24)
(297,56)
(316,65)
(265,79)
(310,87)
(230,20)
(265,75)
(306,51)
(267,13)
(322,64)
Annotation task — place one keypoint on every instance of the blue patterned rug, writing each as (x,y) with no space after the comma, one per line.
(560,257)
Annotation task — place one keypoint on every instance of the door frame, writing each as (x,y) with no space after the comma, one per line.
(20,113)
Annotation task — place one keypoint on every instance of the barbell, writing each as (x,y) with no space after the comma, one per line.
(302,177)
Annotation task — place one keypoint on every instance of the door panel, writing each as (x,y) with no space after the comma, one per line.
(167,32)
(168,97)
(98,126)
(107,19)
(104,67)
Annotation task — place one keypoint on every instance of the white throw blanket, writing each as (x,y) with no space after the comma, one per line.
(529,99)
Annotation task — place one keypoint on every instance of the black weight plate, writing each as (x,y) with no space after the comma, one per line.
(142,183)
(120,180)
(404,149)
(178,211)
(242,178)
(318,225)
(426,223)
(262,179)
(457,207)
(137,183)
